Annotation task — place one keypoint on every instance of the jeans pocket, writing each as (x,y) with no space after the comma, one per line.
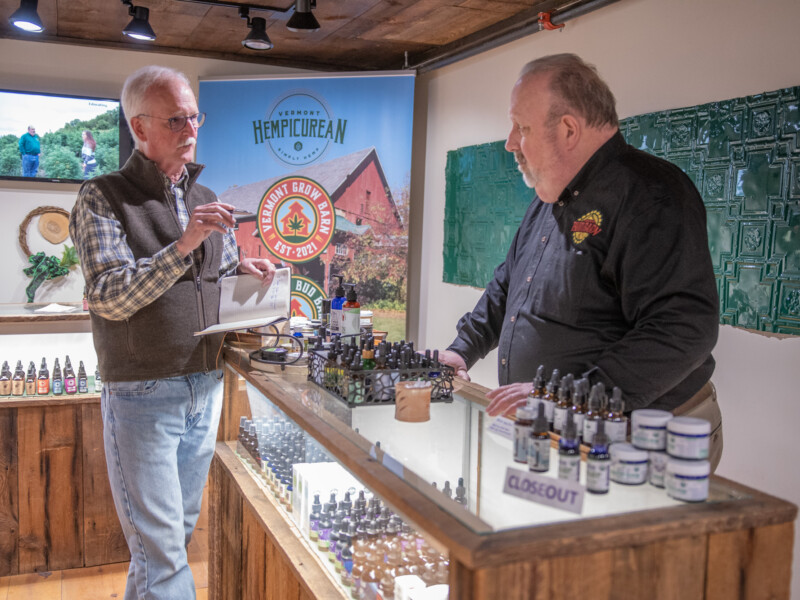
(133,389)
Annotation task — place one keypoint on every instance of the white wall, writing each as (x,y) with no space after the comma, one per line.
(655,54)
(78,70)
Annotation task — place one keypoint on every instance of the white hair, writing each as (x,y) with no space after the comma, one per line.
(137,85)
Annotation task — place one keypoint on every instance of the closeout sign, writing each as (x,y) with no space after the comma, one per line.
(558,493)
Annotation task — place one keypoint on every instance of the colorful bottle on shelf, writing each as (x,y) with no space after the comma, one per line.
(83,380)
(598,462)
(58,379)
(70,381)
(18,380)
(43,379)
(5,379)
(569,453)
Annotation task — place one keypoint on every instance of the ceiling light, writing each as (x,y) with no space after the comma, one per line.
(302,19)
(257,39)
(26,17)
(139,27)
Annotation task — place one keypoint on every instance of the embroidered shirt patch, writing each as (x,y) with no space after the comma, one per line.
(588,224)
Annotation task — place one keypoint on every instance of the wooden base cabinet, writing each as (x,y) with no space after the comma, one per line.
(736,546)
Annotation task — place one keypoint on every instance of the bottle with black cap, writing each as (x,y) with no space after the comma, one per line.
(336,308)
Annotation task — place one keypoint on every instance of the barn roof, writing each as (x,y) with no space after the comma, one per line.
(334,175)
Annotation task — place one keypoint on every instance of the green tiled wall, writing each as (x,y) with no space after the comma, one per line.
(743,155)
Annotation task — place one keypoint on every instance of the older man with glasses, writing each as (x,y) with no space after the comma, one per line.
(154,245)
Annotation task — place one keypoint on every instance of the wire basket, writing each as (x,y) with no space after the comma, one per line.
(376,386)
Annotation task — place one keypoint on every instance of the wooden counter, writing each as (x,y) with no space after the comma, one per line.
(736,547)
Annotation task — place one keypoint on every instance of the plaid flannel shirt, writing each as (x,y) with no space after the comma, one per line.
(118,285)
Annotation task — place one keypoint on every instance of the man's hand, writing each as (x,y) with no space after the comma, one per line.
(506,398)
(205,219)
(456,361)
(257,267)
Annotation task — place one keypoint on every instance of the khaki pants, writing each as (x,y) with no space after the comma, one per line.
(704,405)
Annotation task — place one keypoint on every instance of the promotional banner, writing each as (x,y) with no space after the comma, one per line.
(321,165)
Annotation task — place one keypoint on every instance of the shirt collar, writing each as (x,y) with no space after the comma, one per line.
(589,172)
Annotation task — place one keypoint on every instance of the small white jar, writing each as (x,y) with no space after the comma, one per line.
(688,438)
(658,467)
(649,428)
(687,480)
(628,464)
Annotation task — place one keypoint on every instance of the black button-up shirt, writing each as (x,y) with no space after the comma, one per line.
(613,282)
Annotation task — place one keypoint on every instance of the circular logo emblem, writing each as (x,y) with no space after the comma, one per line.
(307,298)
(588,224)
(301,128)
(296,219)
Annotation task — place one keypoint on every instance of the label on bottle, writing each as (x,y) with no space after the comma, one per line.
(569,466)
(351,321)
(521,435)
(336,319)
(597,475)
(70,385)
(83,387)
(58,386)
(539,454)
(42,386)
(579,418)
(549,410)
(589,429)
(559,418)
(17,387)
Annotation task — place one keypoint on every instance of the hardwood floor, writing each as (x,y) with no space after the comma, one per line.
(107,581)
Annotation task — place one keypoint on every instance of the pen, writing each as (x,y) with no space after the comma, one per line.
(238,211)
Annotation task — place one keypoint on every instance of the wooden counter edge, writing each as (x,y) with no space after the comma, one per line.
(496,548)
(48,400)
(282,533)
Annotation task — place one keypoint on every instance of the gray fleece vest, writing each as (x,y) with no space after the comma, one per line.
(158,341)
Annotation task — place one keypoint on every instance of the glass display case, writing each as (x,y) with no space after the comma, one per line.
(377,500)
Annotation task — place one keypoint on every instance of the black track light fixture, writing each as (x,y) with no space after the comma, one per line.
(26,17)
(139,27)
(302,19)
(257,39)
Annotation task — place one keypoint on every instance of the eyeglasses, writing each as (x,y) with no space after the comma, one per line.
(176,124)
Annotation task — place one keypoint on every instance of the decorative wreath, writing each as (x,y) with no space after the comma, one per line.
(53,225)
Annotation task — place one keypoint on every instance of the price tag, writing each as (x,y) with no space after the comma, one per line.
(503,427)
(558,493)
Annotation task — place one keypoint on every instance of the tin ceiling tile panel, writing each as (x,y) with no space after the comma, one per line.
(744,156)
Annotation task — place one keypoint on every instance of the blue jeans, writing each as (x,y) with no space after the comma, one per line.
(30,165)
(159,440)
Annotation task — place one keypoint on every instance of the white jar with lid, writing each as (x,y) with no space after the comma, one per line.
(649,428)
(688,438)
(687,480)
(628,464)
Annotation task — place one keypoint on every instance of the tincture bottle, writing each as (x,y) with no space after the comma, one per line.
(43,379)
(98,383)
(537,389)
(598,462)
(461,492)
(522,432)
(351,315)
(83,380)
(30,380)
(539,443)
(594,412)
(18,380)
(569,453)
(563,404)
(578,408)
(58,380)
(70,382)
(5,379)
(336,307)
(551,396)
(616,421)
(314,519)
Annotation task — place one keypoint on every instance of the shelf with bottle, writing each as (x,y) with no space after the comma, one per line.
(31,383)
(364,544)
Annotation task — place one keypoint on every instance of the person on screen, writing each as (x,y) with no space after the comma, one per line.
(30,148)
(153,245)
(87,154)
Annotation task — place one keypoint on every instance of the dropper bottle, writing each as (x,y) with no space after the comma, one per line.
(594,412)
(616,421)
(563,404)
(598,462)
(336,307)
(539,443)
(551,396)
(569,453)
(538,389)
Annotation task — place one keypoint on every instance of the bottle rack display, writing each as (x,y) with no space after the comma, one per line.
(495,544)
(368,376)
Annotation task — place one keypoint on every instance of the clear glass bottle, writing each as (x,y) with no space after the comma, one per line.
(616,423)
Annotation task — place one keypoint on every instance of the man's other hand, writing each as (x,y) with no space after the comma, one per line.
(506,398)
(257,267)
(449,357)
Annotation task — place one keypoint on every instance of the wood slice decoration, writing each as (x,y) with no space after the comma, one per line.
(53,225)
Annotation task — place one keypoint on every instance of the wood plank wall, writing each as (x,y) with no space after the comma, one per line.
(56,510)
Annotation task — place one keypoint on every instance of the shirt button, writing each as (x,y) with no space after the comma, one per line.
(530,279)
(561,203)
(575,193)
(544,239)
(503,361)
(513,319)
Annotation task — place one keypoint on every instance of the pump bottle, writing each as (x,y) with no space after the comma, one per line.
(336,307)
(351,316)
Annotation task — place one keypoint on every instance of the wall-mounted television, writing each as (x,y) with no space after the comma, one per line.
(42,136)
